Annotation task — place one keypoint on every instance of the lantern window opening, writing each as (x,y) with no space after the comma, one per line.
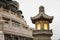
(45,26)
(38,26)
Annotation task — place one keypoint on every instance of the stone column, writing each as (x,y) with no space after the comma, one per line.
(1,35)
(1,30)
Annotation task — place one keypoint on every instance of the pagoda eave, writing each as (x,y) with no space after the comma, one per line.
(42,18)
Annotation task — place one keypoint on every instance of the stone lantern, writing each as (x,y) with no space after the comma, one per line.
(42,21)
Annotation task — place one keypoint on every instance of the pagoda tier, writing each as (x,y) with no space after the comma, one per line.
(9,4)
(42,16)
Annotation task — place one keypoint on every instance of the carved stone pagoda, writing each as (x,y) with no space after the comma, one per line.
(42,21)
(12,23)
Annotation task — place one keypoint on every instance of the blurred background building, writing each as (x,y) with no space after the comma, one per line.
(12,23)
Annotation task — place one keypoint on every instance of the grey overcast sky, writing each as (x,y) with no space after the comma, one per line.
(30,8)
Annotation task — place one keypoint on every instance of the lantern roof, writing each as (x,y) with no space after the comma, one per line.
(41,16)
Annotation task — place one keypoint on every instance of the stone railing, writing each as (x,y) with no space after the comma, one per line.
(42,32)
(11,15)
(10,29)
